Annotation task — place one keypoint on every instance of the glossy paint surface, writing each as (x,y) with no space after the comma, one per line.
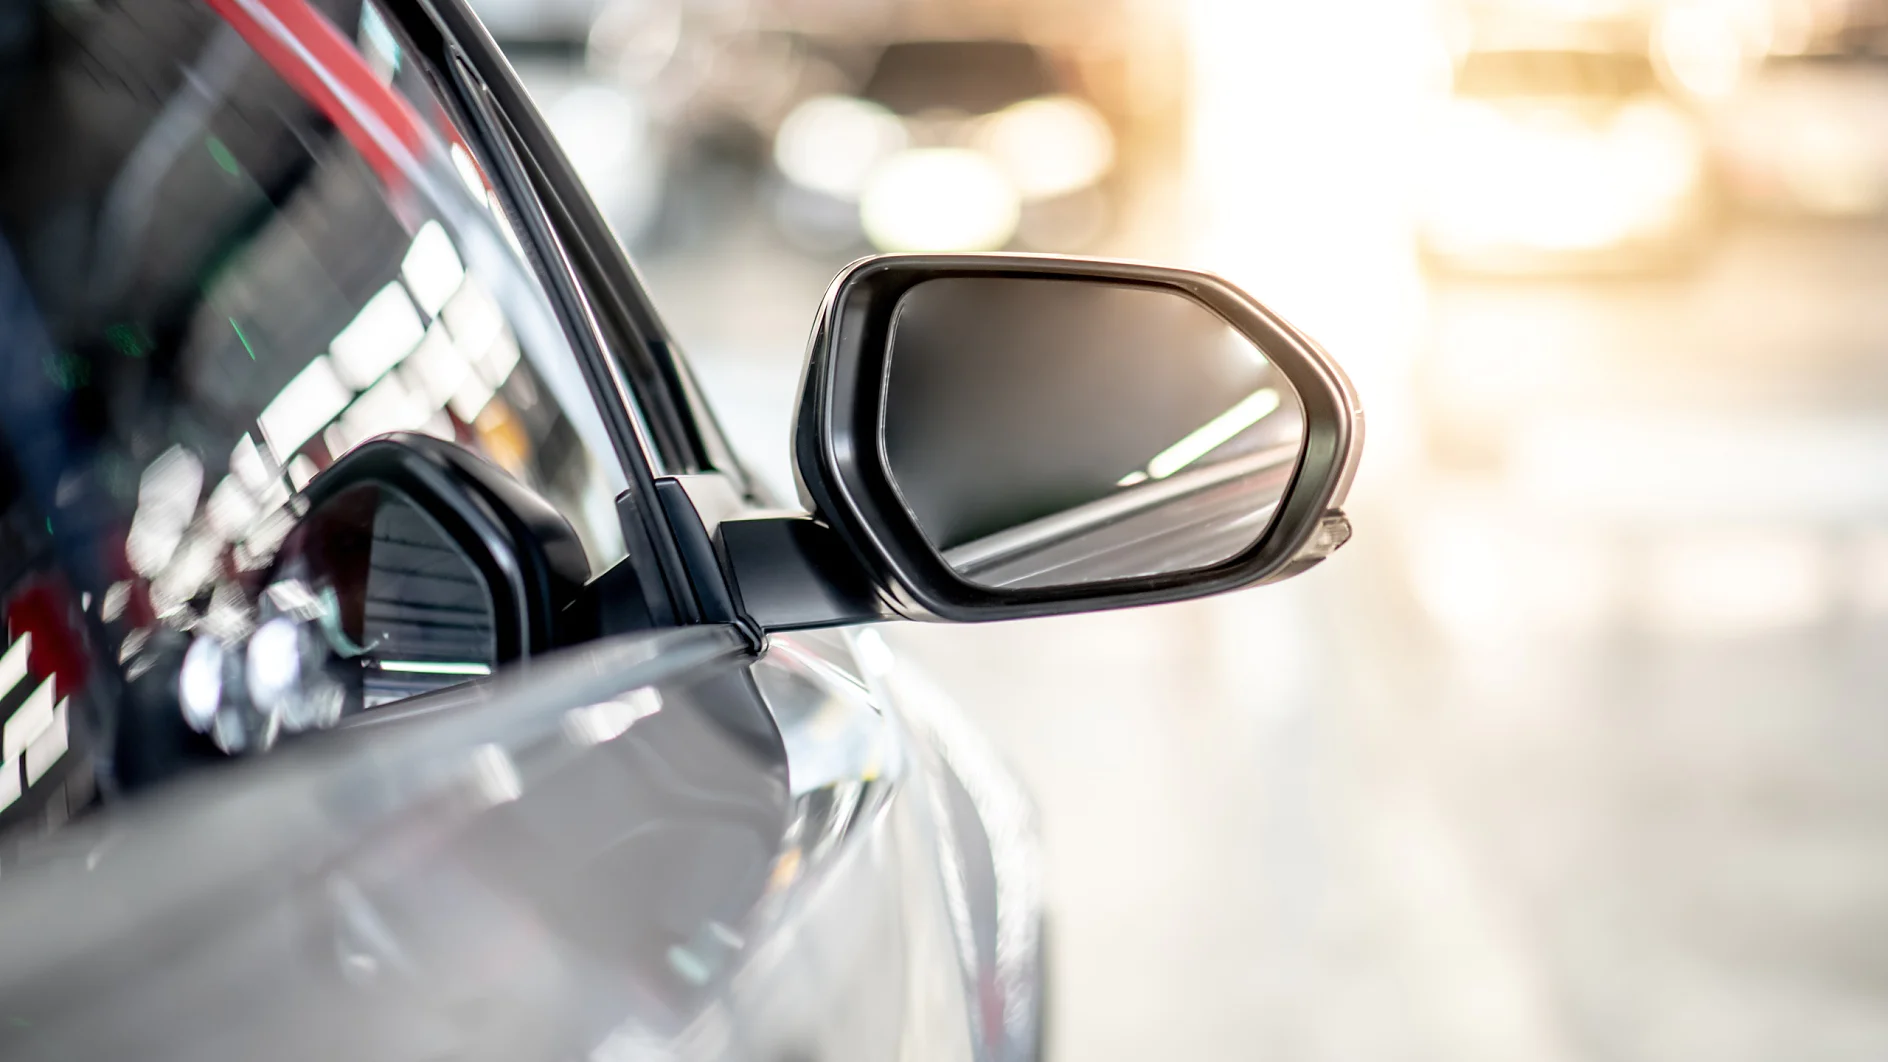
(654,844)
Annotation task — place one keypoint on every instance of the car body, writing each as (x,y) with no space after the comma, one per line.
(1803,138)
(1560,159)
(397,663)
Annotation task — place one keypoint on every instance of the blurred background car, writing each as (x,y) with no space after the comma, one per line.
(948,145)
(1553,157)
(852,127)
(939,126)
(617,137)
(1807,134)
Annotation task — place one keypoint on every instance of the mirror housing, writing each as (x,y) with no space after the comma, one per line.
(529,555)
(411,566)
(848,483)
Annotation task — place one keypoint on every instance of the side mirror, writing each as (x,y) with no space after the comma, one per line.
(414,566)
(997,436)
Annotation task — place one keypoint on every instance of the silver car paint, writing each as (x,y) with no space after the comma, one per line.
(601,856)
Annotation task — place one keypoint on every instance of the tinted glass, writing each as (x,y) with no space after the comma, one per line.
(214,278)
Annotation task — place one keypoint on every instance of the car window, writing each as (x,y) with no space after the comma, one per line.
(220,269)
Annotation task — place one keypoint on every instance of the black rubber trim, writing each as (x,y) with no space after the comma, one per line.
(466,66)
(796,573)
(682,431)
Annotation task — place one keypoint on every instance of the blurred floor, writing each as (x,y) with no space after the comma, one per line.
(1495,783)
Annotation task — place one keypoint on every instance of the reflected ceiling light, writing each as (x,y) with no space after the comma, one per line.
(303,407)
(28,721)
(940,199)
(191,568)
(231,507)
(1214,433)
(432,268)
(171,483)
(274,671)
(497,208)
(167,499)
(387,406)
(200,683)
(258,546)
(379,42)
(832,144)
(495,775)
(13,664)
(468,172)
(501,357)
(597,723)
(230,615)
(133,644)
(293,596)
(435,369)
(148,546)
(434,667)
(248,465)
(50,744)
(471,399)
(1051,146)
(473,319)
(301,469)
(112,605)
(378,337)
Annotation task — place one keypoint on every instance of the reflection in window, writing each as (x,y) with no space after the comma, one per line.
(208,294)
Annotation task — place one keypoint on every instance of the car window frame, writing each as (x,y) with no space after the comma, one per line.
(654,434)
(686,434)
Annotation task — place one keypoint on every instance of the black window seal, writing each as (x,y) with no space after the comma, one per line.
(651,547)
(685,433)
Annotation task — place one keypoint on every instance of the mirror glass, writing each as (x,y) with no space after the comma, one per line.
(369,601)
(1049,432)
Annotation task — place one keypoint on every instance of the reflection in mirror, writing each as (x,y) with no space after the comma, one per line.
(1048,432)
(369,602)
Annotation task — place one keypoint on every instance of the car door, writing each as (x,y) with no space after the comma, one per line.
(706,839)
(909,959)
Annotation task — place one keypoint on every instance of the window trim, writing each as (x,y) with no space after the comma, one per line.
(484,119)
(684,428)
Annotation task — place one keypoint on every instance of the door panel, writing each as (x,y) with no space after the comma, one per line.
(608,849)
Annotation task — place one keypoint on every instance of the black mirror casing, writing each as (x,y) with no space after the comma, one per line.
(530,557)
(841,464)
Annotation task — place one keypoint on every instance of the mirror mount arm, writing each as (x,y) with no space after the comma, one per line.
(794,572)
